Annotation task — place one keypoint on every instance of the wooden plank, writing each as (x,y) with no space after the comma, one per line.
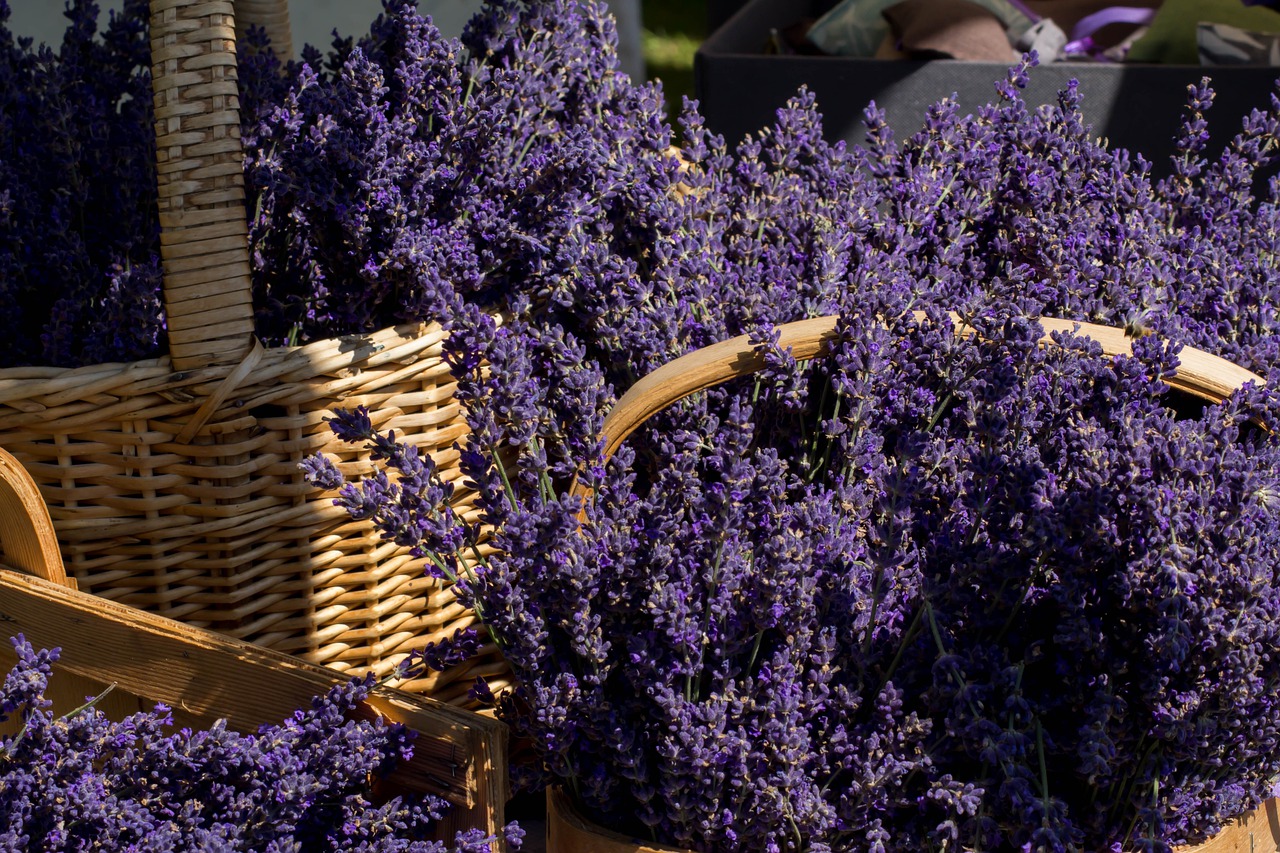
(458,754)
(68,691)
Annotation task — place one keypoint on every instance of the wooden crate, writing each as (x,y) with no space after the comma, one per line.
(205,676)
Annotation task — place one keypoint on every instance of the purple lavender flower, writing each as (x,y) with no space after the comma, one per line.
(84,782)
(928,591)
(963,611)
(80,232)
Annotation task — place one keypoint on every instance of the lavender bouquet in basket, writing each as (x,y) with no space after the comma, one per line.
(994,596)
(932,591)
(389,178)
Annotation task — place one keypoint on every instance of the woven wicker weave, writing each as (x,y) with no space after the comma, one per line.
(173,483)
(272,16)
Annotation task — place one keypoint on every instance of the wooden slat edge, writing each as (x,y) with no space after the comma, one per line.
(490,789)
(1256,832)
(458,754)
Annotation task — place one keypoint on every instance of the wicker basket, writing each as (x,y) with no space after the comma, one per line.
(1200,375)
(173,483)
(203,676)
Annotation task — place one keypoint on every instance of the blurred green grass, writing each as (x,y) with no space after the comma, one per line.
(673,29)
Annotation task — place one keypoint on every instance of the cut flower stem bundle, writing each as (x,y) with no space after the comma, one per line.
(929,591)
(83,781)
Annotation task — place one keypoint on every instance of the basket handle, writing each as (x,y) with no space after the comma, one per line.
(1199,374)
(204,244)
(272,16)
(27,537)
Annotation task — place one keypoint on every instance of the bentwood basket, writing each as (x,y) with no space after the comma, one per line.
(173,483)
(1199,375)
(568,831)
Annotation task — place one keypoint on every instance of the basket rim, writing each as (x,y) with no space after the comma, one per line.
(1201,374)
(285,364)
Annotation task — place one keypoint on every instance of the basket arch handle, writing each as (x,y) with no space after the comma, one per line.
(204,235)
(1200,374)
(27,538)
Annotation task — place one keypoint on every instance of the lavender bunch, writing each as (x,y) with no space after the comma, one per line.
(85,782)
(416,173)
(1060,511)
(78,223)
(390,179)
(981,604)
(1031,207)
(397,177)
(1003,204)
(777,607)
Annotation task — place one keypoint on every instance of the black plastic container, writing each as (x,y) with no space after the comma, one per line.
(1138,107)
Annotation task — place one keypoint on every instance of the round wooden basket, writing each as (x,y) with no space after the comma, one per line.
(1200,375)
(173,483)
(568,831)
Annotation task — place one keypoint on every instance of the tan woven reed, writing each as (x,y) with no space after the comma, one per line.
(174,483)
(200,178)
(272,16)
